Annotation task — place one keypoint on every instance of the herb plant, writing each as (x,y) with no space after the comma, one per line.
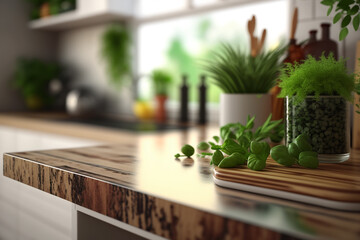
(236,71)
(32,78)
(161,79)
(116,52)
(314,78)
(346,10)
(241,146)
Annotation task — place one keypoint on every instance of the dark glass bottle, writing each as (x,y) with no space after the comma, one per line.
(184,99)
(202,101)
(312,46)
(328,45)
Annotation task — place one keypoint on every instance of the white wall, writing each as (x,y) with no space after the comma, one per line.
(17,40)
(80,49)
(311,15)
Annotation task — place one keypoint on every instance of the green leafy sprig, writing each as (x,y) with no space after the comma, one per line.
(347,10)
(236,71)
(241,146)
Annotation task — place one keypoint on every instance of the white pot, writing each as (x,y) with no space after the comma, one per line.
(236,107)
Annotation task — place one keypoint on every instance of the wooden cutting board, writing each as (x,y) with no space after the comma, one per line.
(331,185)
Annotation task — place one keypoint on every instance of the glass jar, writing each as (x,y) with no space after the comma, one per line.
(325,120)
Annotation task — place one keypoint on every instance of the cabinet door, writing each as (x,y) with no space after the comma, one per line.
(26,212)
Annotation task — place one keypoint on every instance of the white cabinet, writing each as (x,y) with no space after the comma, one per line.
(26,212)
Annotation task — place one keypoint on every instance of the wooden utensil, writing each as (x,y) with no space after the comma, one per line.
(294,23)
(261,44)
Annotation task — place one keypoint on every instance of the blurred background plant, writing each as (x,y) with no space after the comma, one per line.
(32,78)
(116,53)
(161,80)
(54,7)
(234,70)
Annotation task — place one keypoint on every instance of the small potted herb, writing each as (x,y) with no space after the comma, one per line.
(161,81)
(32,78)
(245,81)
(316,104)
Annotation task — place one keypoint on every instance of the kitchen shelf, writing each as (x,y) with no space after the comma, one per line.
(73,19)
(88,13)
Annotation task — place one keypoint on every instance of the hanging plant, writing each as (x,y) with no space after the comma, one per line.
(116,52)
(347,10)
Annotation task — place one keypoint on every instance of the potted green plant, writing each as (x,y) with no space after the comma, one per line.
(246,81)
(316,104)
(161,81)
(32,78)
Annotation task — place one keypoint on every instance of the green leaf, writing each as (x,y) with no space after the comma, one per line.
(337,17)
(260,149)
(243,142)
(343,33)
(327,2)
(233,160)
(187,150)
(346,21)
(281,155)
(345,4)
(230,146)
(203,146)
(216,138)
(250,123)
(256,164)
(294,150)
(329,10)
(354,10)
(303,143)
(308,159)
(356,22)
(217,157)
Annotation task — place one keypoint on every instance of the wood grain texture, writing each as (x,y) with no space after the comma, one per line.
(165,218)
(163,195)
(337,182)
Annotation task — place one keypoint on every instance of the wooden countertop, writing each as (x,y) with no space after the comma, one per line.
(140,183)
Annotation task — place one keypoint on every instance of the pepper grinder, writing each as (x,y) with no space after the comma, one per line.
(202,100)
(184,97)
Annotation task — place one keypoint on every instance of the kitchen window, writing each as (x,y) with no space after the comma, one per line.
(181,43)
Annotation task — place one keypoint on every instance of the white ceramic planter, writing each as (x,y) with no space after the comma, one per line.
(236,107)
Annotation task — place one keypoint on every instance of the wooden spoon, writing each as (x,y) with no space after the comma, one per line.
(294,23)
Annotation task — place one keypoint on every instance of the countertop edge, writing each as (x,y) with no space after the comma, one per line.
(161,217)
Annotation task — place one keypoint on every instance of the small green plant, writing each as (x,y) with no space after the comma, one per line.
(242,146)
(32,78)
(346,10)
(314,78)
(161,79)
(187,150)
(203,146)
(116,52)
(236,71)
